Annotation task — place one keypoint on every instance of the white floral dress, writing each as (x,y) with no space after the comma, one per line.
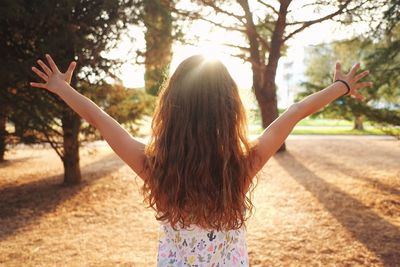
(198,247)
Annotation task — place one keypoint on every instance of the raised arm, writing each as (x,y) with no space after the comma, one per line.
(269,141)
(130,150)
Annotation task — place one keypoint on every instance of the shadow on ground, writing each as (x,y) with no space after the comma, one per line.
(378,235)
(7,163)
(24,204)
(374,181)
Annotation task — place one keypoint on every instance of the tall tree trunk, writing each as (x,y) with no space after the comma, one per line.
(263,76)
(266,96)
(3,131)
(158,36)
(71,123)
(358,123)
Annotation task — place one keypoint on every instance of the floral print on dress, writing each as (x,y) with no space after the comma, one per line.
(198,247)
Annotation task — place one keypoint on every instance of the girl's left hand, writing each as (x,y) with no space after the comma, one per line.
(352,79)
(52,76)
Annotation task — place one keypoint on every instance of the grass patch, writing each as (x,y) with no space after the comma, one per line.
(324,122)
(338,130)
(333,131)
(322,127)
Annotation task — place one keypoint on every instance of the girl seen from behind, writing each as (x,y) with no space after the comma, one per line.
(199,165)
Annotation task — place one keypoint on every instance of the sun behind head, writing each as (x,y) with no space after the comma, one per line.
(199,129)
(210,57)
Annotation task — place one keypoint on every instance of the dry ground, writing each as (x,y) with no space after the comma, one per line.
(324,202)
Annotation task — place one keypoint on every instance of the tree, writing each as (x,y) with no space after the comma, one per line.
(9,80)
(69,29)
(385,59)
(379,53)
(3,131)
(158,21)
(319,73)
(384,62)
(124,105)
(268,26)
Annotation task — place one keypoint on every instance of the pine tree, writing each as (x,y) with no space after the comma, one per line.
(68,30)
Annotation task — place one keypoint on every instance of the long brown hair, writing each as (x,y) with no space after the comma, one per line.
(197,157)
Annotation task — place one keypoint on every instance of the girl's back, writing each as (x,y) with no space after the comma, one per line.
(196,246)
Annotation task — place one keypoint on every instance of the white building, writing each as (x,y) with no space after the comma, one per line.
(290,74)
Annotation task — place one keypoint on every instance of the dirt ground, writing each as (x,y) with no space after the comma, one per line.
(324,202)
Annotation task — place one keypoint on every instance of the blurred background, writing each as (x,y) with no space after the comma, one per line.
(278,52)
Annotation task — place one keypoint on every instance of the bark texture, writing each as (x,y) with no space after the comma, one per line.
(358,123)
(71,123)
(3,131)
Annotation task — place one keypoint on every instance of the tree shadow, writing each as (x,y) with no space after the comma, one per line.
(374,181)
(376,234)
(24,204)
(375,156)
(7,162)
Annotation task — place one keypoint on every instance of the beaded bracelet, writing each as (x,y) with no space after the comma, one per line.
(347,85)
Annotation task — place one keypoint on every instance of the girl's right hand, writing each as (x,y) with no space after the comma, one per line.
(52,76)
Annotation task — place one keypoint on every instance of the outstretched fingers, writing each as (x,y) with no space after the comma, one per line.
(52,64)
(338,71)
(40,74)
(44,67)
(358,96)
(354,69)
(38,85)
(361,75)
(363,84)
(359,86)
(338,67)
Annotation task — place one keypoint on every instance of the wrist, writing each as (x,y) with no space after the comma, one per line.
(344,85)
(61,87)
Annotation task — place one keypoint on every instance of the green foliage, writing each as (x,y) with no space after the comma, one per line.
(155,75)
(69,30)
(320,66)
(125,105)
(385,64)
(159,23)
(387,120)
(383,61)
(333,131)
(391,15)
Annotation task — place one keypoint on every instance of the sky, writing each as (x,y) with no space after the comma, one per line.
(290,69)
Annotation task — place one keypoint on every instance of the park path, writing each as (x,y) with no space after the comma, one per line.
(324,202)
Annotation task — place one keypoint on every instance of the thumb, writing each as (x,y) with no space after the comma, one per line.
(70,70)
(338,67)
(338,71)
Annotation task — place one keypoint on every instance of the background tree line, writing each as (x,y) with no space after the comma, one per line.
(379,52)
(85,30)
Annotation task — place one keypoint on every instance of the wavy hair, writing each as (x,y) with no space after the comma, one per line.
(197,157)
